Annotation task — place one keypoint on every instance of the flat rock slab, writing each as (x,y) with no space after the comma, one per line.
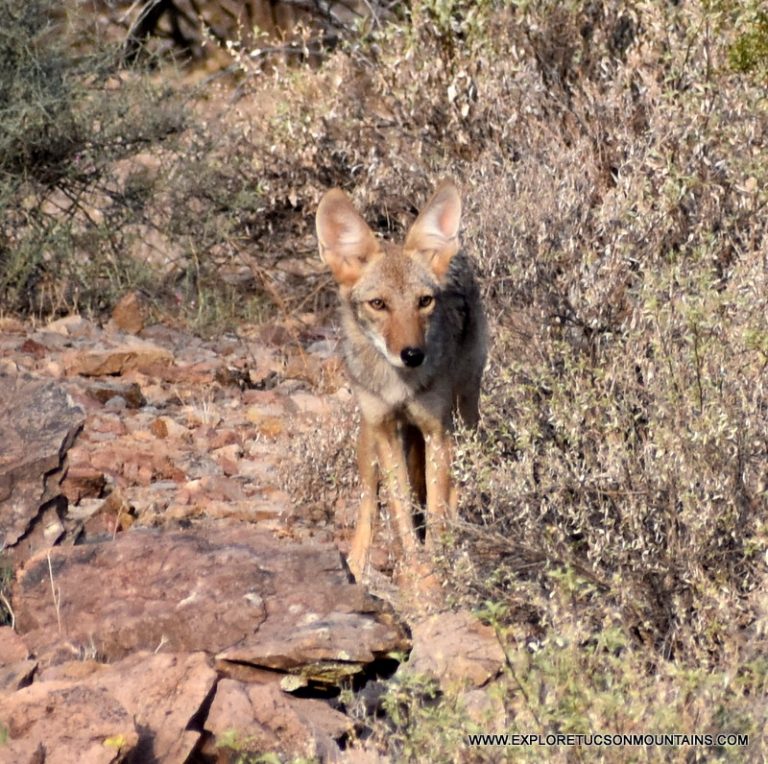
(38,424)
(233,591)
(114,358)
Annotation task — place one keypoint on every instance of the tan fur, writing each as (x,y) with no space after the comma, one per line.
(415,342)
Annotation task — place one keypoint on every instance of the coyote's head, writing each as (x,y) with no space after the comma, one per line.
(392,290)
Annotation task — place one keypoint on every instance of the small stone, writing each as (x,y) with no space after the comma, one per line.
(83,481)
(105,359)
(130,313)
(456,649)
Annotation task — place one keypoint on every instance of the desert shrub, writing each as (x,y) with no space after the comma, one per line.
(613,206)
(611,158)
(108,182)
(629,395)
(66,121)
(749,50)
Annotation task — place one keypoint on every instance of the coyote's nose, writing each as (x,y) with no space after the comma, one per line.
(412,357)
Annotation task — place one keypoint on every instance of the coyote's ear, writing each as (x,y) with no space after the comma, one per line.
(435,233)
(345,240)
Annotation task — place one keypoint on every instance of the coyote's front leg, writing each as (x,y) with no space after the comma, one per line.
(389,447)
(441,495)
(369,479)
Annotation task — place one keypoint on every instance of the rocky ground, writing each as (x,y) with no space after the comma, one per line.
(168,600)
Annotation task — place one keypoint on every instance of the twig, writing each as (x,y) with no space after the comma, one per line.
(163,641)
(8,607)
(55,592)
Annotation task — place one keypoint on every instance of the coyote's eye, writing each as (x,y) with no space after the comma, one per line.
(426,300)
(377,303)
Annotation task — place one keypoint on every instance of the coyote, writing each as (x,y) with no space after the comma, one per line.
(415,344)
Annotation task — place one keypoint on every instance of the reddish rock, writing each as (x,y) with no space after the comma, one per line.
(14,676)
(228,458)
(211,488)
(157,394)
(159,428)
(273,615)
(70,670)
(163,692)
(203,416)
(485,707)
(164,427)
(261,717)
(223,437)
(73,326)
(45,531)
(111,516)
(130,313)
(12,647)
(262,399)
(456,649)
(62,723)
(104,359)
(306,403)
(16,669)
(106,424)
(266,513)
(232,591)
(130,392)
(9,368)
(269,426)
(33,348)
(140,708)
(198,373)
(139,462)
(83,481)
(259,470)
(38,424)
(228,466)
